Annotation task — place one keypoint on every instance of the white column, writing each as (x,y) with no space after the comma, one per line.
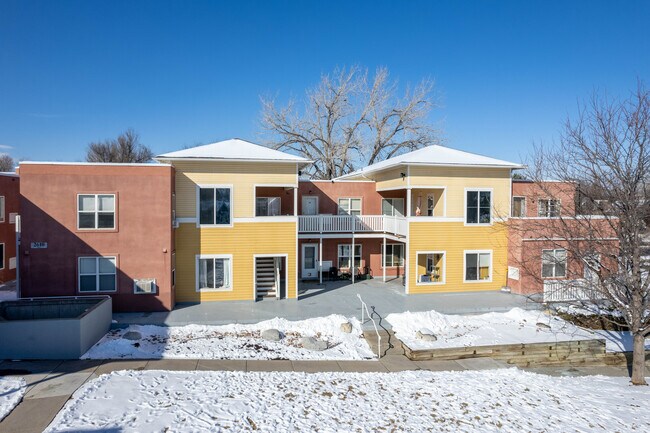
(320,260)
(295,202)
(383,259)
(352,268)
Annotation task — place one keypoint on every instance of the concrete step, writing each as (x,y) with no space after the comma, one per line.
(390,345)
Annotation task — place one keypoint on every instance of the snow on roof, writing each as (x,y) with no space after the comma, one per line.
(8,173)
(435,155)
(234,149)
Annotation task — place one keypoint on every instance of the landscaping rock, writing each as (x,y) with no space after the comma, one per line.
(426,335)
(542,325)
(346,327)
(310,343)
(271,335)
(132,335)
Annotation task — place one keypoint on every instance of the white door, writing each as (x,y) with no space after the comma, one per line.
(309,261)
(309,205)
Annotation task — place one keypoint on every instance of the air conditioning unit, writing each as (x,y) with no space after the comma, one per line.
(12,217)
(144,286)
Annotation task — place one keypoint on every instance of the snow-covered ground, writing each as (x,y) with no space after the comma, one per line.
(8,295)
(506,400)
(619,341)
(236,341)
(12,390)
(515,326)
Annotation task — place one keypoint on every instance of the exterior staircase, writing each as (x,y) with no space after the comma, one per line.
(266,278)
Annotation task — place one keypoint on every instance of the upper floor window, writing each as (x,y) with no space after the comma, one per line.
(519,207)
(392,206)
(548,208)
(479,207)
(267,206)
(349,206)
(553,263)
(96,211)
(215,206)
(97,274)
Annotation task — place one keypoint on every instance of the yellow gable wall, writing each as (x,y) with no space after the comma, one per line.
(454,238)
(456,179)
(242,241)
(390,179)
(241,175)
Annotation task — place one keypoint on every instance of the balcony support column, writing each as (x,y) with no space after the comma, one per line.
(383,260)
(320,260)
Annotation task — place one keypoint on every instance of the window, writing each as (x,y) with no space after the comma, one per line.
(267,206)
(519,207)
(2,256)
(553,263)
(592,266)
(430,267)
(215,206)
(548,208)
(344,256)
(97,274)
(2,209)
(214,273)
(479,207)
(96,211)
(431,204)
(394,255)
(392,206)
(349,206)
(478,266)
(174,269)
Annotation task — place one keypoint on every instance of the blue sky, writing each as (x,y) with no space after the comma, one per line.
(182,73)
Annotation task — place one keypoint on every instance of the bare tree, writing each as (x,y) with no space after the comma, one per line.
(125,148)
(7,163)
(346,121)
(605,153)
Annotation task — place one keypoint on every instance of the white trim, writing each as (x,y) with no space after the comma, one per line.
(263,219)
(97,274)
(435,219)
(186,220)
(334,180)
(357,235)
(478,209)
(197,260)
(478,261)
(198,204)
(217,159)
(302,259)
(96,212)
(302,204)
(391,188)
(286,273)
(444,268)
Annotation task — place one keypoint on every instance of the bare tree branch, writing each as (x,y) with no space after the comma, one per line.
(126,148)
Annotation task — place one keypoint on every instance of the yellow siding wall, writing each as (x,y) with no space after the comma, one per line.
(243,241)
(242,175)
(390,179)
(454,238)
(456,179)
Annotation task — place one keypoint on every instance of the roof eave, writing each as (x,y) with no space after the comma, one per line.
(192,158)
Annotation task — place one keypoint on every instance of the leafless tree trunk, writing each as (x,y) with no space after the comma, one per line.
(7,163)
(345,122)
(126,148)
(606,153)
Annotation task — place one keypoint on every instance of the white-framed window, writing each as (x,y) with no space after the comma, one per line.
(548,208)
(478,266)
(591,266)
(213,273)
(2,209)
(478,206)
(431,204)
(96,211)
(349,206)
(2,256)
(97,274)
(344,256)
(430,267)
(394,255)
(392,206)
(554,263)
(267,206)
(518,207)
(214,205)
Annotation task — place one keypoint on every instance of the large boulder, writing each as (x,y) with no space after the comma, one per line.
(542,325)
(310,343)
(426,334)
(346,327)
(272,335)
(132,335)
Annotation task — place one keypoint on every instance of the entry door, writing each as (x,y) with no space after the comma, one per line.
(309,261)
(310,205)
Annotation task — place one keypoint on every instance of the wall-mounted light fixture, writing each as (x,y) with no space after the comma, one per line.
(403,175)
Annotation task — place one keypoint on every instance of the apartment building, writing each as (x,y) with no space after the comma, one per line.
(9,193)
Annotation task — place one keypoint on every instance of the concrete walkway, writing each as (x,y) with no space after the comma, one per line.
(52,383)
(338,297)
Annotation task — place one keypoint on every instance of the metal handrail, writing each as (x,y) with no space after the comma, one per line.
(364,306)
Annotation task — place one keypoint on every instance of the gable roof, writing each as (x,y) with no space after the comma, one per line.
(434,155)
(233,149)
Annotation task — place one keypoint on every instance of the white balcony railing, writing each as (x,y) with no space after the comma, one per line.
(351,223)
(569,290)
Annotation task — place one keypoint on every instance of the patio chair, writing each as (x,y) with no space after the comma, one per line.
(333,274)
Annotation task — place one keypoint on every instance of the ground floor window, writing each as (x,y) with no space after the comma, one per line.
(430,267)
(553,263)
(214,273)
(478,266)
(344,256)
(394,255)
(97,274)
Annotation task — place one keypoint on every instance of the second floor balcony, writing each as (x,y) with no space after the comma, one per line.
(394,225)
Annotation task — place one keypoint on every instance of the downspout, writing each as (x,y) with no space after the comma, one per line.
(18,256)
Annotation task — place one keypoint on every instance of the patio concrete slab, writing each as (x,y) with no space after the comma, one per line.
(32,415)
(111,366)
(398,363)
(315,366)
(332,297)
(439,365)
(172,364)
(262,365)
(482,364)
(57,385)
(78,366)
(362,367)
(221,365)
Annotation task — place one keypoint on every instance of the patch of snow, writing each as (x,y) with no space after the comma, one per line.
(586,310)
(507,400)
(619,341)
(512,327)
(236,341)
(8,295)
(12,390)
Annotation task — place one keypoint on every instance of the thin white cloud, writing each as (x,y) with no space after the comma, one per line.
(5,146)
